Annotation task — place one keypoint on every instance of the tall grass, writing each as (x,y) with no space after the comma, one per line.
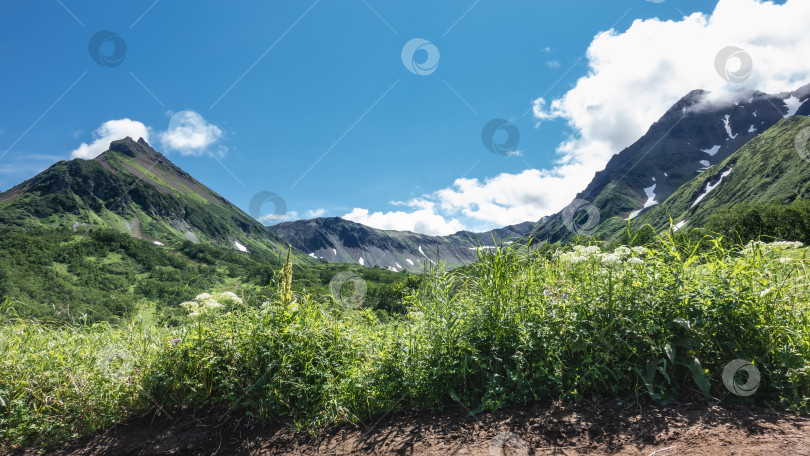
(63,382)
(641,324)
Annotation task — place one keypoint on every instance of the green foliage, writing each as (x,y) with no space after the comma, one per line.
(765,173)
(57,384)
(648,323)
(753,221)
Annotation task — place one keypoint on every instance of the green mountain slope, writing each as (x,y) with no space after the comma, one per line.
(768,169)
(691,139)
(134,189)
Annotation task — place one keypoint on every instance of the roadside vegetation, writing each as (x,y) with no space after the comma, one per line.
(644,322)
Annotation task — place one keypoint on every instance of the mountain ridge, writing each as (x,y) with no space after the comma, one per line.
(693,135)
(338,240)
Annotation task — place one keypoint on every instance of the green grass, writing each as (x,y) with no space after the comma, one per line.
(648,325)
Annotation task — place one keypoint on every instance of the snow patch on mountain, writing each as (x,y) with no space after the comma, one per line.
(240,247)
(727,123)
(361,261)
(712,151)
(423,254)
(792,104)
(710,187)
(650,191)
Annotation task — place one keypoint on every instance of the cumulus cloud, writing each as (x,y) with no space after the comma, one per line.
(315,213)
(635,76)
(190,134)
(477,205)
(108,132)
(424,219)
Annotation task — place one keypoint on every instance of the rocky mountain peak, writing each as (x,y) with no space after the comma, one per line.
(132,148)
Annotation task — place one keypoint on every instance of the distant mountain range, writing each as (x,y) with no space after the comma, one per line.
(341,241)
(699,157)
(691,138)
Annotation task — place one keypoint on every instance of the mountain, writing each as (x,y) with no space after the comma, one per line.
(692,137)
(135,189)
(341,241)
(768,169)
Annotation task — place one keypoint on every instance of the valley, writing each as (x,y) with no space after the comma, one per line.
(405,228)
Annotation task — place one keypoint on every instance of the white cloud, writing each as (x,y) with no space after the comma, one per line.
(423,220)
(190,134)
(108,132)
(477,205)
(553,64)
(635,76)
(315,213)
(505,199)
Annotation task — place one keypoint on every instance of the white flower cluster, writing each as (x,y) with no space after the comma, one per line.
(771,246)
(206,303)
(619,255)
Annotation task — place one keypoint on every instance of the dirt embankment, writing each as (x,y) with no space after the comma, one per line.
(587,428)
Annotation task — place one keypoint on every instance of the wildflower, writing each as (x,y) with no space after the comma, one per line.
(609,258)
(764,248)
(572,258)
(784,245)
(622,250)
(639,251)
(230,296)
(635,261)
(591,250)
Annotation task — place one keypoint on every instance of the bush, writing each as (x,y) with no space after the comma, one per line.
(639,324)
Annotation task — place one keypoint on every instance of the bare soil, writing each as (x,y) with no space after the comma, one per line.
(586,428)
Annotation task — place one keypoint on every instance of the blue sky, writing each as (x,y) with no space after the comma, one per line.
(312,101)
